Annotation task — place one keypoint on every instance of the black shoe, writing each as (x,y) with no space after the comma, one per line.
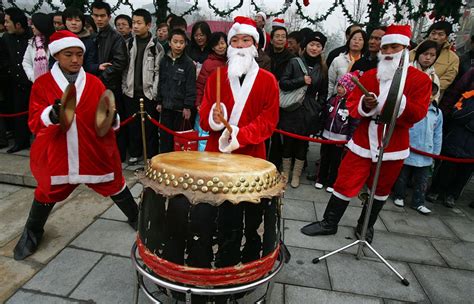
(311,177)
(3,145)
(449,202)
(432,197)
(332,215)
(126,203)
(319,228)
(17,148)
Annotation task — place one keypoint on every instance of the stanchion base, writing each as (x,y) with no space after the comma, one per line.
(316,260)
(405,282)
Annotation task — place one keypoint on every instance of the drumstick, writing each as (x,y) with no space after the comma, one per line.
(361,87)
(218,102)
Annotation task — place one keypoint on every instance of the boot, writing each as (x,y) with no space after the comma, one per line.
(286,166)
(297,169)
(33,231)
(369,235)
(333,214)
(126,203)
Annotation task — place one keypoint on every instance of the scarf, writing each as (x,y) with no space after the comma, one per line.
(40,65)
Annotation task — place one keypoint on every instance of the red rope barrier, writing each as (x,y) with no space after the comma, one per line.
(441,157)
(317,140)
(128,120)
(174,133)
(14,115)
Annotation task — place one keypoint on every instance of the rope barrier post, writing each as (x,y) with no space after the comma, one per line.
(142,119)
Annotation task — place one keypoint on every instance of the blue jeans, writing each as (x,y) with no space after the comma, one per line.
(420,177)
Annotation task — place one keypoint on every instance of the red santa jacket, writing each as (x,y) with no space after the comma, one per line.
(252,106)
(413,108)
(79,155)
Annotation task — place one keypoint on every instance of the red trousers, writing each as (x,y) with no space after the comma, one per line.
(355,171)
(59,193)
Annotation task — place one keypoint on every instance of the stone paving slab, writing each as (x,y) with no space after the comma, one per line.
(6,190)
(107,236)
(462,227)
(13,275)
(405,248)
(277,296)
(303,192)
(416,225)
(14,211)
(114,213)
(444,285)
(26,297)
(65,224)
(64,272)
(457,254)
(110,281)
(299,295)
(298,210)
(293,237)
(373,278)
(301,271)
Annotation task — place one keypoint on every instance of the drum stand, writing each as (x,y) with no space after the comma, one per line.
(362,242)
(143,272)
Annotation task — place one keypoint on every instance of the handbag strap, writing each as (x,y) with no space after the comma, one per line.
(302,66)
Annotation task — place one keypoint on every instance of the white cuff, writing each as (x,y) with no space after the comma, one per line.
(226,145)
(116,125)
(361,111)
(403,104)
(217,126)
(45,116)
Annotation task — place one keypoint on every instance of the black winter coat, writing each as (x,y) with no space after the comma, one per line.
(14,47)
(459,141)
(279,61)
(305,120)
(111,48)
(177,85)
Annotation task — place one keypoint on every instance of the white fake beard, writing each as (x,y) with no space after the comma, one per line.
(240,60)
(386,68)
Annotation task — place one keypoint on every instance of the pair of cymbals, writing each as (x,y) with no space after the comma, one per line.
(104,115)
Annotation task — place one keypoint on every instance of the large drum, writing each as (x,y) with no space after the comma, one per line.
(210,219)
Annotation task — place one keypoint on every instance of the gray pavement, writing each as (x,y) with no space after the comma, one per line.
(85,253)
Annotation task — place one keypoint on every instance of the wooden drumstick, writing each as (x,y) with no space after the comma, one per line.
(218,102)
(361,87)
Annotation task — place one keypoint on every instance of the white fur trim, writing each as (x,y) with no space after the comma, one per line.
(341,196)
(224,145)
(361,111)
(356,149)
(64,43)
(45,116)
(374,140)
(403,104)
(395,38)
(381,198)
(81,179)
(241,93)
(334,136)
(217,126)
(242,29)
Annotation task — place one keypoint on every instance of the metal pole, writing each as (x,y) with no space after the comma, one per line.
(142,116)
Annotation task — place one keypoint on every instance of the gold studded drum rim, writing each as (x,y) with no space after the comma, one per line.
(213,177)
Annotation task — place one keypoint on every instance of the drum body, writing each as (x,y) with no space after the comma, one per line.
(210,219)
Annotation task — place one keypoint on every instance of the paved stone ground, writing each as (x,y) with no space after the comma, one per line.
(84,256)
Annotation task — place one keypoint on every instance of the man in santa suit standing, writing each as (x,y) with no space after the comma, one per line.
(60,161)
(358,165)
(250,103)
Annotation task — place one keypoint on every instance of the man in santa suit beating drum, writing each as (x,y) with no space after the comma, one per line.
(65,155)
(358,165)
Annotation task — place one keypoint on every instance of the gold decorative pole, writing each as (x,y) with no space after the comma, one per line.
(142,117)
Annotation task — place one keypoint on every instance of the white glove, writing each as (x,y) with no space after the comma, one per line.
(217,126)
(228,142)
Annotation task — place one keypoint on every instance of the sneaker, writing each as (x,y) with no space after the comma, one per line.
(133,161)
(432,197)
(399,202)
(449,202)
(318,186)
(422,209)
(329,189)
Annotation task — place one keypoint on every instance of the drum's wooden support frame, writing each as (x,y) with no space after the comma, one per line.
(189,291)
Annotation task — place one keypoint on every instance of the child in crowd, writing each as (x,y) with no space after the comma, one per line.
(426,135)
(338,125)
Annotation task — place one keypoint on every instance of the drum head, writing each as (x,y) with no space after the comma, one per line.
(68,107)
(104,115)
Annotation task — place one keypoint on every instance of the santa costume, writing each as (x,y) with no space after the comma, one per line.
(60,161)
(358,165)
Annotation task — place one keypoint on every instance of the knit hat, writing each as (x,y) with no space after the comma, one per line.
(346,82)
(63,39)
(243,26)
(43,23)
(315,36)
(278,22)
(400,34)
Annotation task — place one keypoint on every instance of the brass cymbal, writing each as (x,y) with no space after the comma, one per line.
(67,107)
(104,115)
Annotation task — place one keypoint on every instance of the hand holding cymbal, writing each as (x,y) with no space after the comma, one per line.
(105,113)
(67,107)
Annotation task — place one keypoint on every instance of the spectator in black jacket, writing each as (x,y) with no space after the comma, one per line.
(176,89)
(15,44)
(342,49)
(295,39)
(369,60)
(123,25)
(113,60)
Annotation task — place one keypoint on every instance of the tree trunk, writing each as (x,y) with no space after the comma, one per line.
(161,7)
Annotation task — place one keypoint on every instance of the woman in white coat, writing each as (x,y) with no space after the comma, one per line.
(35,60)
(357,45)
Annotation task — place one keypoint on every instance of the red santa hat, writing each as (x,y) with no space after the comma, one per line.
(278,22)
(63,39)
(400,34)
(243,26)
